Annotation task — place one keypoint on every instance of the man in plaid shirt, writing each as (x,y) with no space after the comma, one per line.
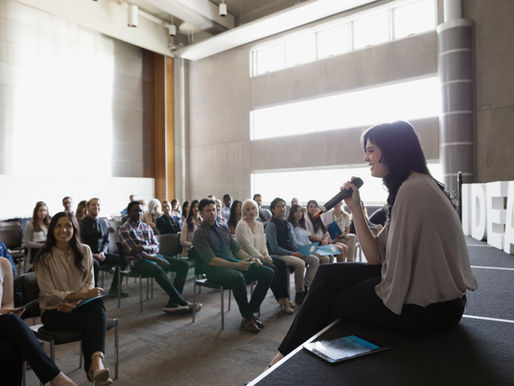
(142,254)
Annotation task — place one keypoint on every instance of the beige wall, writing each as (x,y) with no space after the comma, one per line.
(221,95)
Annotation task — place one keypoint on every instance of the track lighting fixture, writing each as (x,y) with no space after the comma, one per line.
(223,8)
(132,15)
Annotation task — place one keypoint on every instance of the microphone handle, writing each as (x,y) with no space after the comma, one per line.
(341,195)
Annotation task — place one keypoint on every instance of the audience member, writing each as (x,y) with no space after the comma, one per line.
(185,211)
(418,271)
(264,214)
(64,271)
(343,222)
(19,343)
(281,242)
(141,251)
(124,211)
(67,204)
(175,211)
(34,235)
(154,212)
(216,249)
(94,232)
(4,252)
(167,224)
(235,216)
(219,218)
(227,203)
(318,232)
(81,211)
(294,201)
(250,236)
(193,221)
(296,218)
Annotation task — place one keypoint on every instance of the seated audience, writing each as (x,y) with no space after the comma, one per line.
(154,212)
(141,251)
(94,232)
(343,220)
(34,235)
(227,203)
(19,343)
(281,242)
(235,216)
(294,201)
(4,252)
(64,271)
(67,204)
(418,271)
(185,211)
(250,236)
(264,214)
(175,211)
(81,212)
(193,221)
(296,218)
(124,211)
(217,249)
(318,233)
(219,218)
(167,224)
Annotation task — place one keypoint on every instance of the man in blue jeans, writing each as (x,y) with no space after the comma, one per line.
(217,251)
(142,254)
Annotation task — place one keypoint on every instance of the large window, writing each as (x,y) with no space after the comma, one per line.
(394,20)
(322,184)
(410,100)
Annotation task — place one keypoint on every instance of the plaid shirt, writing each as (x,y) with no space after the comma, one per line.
(133,234)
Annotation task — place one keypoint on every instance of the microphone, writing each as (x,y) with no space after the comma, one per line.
(338,197)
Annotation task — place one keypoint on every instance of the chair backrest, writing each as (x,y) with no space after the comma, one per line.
(11,233)
(200,266)
(169,244)
(30,291)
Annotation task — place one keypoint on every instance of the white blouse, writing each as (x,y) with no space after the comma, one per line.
(253,242)
(422,250)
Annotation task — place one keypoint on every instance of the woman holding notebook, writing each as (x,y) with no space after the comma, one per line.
(64,270)
(417,271)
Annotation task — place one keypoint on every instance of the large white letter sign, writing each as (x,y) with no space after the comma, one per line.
(496,192)
(466,209)
(478,211)
(508,243)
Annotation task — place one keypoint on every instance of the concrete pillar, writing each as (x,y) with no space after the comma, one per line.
(456,123)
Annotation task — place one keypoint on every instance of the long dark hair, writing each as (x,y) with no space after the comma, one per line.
(232,221)
(316,221)
(46,251)
(291,218)
(185,209)
(35,218)
(401,152)
(190,221)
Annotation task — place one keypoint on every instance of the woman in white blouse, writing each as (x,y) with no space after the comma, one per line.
(250,236)
(417,271)
(64,271)
(192,222)
(343,221)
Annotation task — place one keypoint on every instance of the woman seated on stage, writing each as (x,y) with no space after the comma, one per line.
(19,343)
(417,271)
(250,236)
(64,271)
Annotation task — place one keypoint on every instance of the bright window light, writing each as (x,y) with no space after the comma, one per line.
(295,183)
(371,30)
(333,41)
(300,49)
(410,100)
(269,58)
(407,20)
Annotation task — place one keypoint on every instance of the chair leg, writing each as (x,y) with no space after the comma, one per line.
(140,294)
(52,351)
(80,356)
(24,373)
(119,288)
(147,288)
(229,299)
(151,288)
(223,308)
(116,354)
(194,300)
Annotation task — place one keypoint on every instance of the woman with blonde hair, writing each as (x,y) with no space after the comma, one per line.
(250,236)
(154,212)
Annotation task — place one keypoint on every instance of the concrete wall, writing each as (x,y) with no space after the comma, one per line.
(494,87)
(221,95)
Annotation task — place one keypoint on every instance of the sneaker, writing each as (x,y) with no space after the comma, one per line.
(196,307)
(173,308)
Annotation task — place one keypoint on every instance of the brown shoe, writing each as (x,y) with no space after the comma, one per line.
(258,322)
(249,325)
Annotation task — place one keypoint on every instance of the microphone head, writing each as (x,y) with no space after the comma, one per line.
(357,181)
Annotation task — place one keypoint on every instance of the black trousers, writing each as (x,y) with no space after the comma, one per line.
(347,291)
(113,260)
(280,283)
(153,269)
(89,320)
(236,281)
(17,341)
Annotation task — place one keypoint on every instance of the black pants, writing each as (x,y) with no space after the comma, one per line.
(89,320)
(112,260)
(153,269)
(236,281)
(280,283)
(347,291)
(17,341)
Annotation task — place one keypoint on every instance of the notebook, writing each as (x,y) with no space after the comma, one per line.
(342,348)
(308,249)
